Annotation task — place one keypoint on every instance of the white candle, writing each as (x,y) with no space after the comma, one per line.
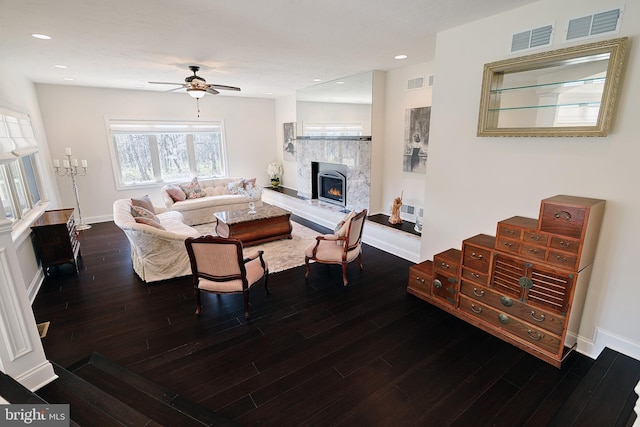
(56,163)
(74,162)
(67,151)
(84,163)
(65,163)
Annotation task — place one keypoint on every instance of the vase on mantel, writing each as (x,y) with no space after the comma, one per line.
(275,182)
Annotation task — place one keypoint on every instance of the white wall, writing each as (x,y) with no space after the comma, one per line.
(75,117)
(398,101)
(472,182)
(285,113)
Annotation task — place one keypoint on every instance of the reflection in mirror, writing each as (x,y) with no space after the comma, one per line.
(337,108)
(568,92)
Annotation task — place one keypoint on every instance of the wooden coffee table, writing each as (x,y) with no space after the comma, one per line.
(268,223)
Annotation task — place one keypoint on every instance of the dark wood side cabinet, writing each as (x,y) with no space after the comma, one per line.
(526,286)
(56,239)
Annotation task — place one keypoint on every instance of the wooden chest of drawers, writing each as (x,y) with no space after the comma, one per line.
(527,285)
(56,239)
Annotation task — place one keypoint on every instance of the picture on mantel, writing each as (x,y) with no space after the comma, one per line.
(289,147)
(416,139)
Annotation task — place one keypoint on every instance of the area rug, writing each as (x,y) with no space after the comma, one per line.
(280,254)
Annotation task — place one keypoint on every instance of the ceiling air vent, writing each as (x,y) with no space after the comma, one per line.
(417,83)
(530,39)
(592,25)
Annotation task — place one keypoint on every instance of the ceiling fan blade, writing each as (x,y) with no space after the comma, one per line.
(175,88)
(211,91)
(223,87)
(166,83)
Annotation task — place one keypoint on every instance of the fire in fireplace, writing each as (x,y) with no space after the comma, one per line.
(332,187)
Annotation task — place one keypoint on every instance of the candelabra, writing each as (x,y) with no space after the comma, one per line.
(71,169)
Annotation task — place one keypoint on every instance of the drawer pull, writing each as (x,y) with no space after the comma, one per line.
(475,275)
(537,319)
(445,265)
(563,214)
(533,250)
(564,244)
(478,294)
(507,302)
(561,258)
(475,309)
(508,244)
(534,237)
(534,336)
(420,280)
(503,318)
(525,282)
(509,231)
(476,256)
(437,284)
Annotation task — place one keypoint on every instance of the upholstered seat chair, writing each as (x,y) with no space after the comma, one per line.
(218,266)
(341,248)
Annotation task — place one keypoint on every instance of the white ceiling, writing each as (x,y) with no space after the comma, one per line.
(262,46)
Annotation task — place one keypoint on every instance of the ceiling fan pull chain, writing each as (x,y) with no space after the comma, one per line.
(198,105)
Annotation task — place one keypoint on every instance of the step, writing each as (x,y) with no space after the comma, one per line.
(101,392)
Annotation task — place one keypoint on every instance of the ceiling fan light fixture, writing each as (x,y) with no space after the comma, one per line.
(196,93)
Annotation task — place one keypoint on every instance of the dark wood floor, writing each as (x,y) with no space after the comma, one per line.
(315,353)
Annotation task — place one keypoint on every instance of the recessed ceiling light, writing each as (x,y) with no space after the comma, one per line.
(139,86)
(400,56)
(69,79)
(60,66)
(269,93)
(317,80)
(41,36)
(340,82)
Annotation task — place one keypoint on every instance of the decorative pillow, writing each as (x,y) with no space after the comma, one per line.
(192,189)
(147,221)
(175,193)
(139,212)
(234,187)
(342,226)
(249,183)
(143,202)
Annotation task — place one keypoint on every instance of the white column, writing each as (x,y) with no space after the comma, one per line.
(21,353)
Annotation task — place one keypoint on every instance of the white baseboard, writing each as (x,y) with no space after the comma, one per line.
(603,338)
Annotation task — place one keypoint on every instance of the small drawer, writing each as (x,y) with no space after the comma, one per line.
(508,245)
(420,277)
(480,278)
(504,230)
(534,251)
(562,259)
(558,218)
(565,245)
(477,252)
(447,262)
(534,238)
(511,324)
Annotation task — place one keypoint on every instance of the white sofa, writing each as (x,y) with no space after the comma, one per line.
(156,254)
(201,210)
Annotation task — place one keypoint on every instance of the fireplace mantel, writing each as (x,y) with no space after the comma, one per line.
(353,153)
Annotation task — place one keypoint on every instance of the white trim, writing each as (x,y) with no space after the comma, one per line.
(603,338)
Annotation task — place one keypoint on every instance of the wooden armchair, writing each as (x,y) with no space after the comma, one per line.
(332,249)
(218,266)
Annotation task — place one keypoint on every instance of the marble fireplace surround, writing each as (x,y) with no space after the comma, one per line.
(354,153)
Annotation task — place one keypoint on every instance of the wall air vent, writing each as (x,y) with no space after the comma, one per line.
(593,25)
(430,81)
(531,39)
(417,83)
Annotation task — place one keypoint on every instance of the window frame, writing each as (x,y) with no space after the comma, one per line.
(117,125)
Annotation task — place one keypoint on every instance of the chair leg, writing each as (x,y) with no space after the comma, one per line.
(245,295)
(306,264)
(266,281)
(360,260)
(344,273)
(196,295)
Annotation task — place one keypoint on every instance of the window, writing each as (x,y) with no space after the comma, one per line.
(148,152)
(332,129)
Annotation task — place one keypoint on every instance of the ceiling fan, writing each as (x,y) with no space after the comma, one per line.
(196,86)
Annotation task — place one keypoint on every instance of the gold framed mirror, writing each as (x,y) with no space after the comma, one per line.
(564,92)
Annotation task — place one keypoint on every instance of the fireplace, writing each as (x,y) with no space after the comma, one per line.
(332,187)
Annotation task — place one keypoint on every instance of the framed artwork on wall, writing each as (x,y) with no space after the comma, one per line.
(289,143)
(416,139)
